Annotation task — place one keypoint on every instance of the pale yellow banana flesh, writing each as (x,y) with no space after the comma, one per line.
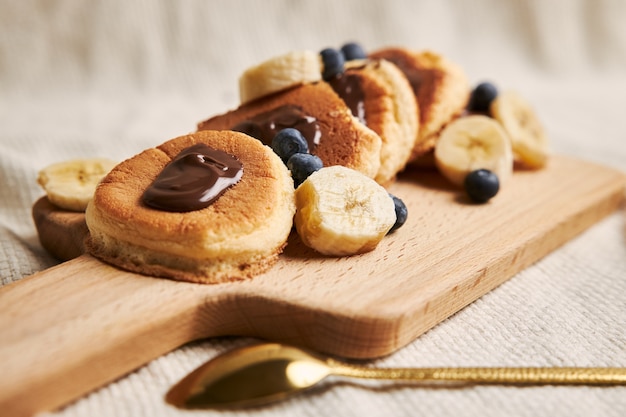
(527,135)
(70,185)
(341,212)
(279,73)
(471,143)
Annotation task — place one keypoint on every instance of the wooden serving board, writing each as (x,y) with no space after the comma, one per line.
(77,326)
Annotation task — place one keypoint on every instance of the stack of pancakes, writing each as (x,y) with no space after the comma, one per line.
(408,97)
(404,100)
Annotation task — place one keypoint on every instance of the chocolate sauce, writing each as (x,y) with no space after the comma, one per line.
(194,179)
(416,77)
(264,126)
(348,87)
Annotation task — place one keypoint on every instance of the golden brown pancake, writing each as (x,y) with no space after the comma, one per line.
(333,133)
(440,86)
(237,236)
(379,94)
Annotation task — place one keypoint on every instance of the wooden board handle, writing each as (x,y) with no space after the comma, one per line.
(70,329)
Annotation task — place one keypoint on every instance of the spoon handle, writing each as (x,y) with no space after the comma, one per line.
(500,376)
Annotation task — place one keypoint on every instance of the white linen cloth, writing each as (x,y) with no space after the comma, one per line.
(111,78)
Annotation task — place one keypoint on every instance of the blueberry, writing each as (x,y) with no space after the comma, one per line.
(481,185)
(401,213)
(333,63)
(482,96)
(288,142)
(353,50)
(302,165)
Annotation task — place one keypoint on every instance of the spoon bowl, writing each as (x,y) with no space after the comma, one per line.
(249,376)
(264,373)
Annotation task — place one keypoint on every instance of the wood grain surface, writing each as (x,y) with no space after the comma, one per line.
(82,324)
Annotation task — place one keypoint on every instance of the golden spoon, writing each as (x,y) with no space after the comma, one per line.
(268,372)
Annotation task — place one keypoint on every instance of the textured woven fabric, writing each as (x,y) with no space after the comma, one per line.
(110,78)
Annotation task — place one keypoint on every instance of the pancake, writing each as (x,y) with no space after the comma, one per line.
(333,133)
(440,86)
(379,94)
(237,236)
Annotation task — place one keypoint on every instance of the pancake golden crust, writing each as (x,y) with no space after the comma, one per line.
(238,236)
(344,140)
(390,109)
(440,86)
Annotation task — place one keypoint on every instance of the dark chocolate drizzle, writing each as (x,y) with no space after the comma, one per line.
(348,87)
(194,179)
(266,125)
(417,77)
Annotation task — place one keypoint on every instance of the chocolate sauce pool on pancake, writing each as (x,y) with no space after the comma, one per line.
(266,125)
(423,82)
(348,87)
(194,179)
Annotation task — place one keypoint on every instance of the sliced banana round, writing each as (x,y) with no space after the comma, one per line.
(528,138)
(279,73)
(341,212)
(70,185)
(471,143)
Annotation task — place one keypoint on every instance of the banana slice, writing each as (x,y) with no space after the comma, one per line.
(528,138)
(70,185)
(279,73)
(341,212)
(471,143)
